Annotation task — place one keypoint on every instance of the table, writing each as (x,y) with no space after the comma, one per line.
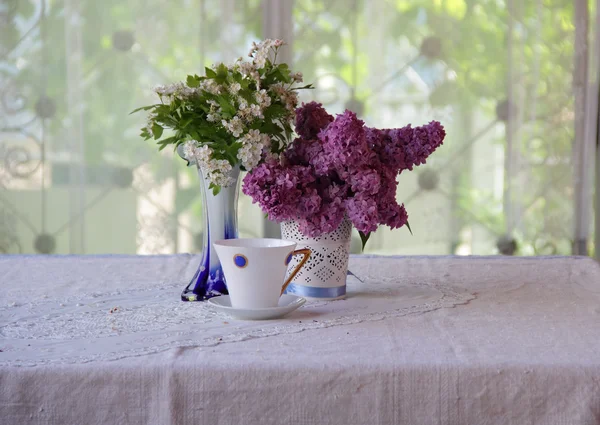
(421,340)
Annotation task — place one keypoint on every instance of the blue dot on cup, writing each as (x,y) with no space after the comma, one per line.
(240,260)
(289,258)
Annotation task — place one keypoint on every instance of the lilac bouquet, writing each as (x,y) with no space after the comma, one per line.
(339,168)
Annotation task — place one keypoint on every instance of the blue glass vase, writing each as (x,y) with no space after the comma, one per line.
(220,222)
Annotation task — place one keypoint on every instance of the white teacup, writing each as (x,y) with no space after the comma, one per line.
(255,269)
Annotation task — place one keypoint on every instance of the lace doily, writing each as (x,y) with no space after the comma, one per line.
(123,323)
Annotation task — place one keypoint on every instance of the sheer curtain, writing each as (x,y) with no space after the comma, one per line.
(514,82)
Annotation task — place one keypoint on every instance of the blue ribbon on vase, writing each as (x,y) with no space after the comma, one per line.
(316,291)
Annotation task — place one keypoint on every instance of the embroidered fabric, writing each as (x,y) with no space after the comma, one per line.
(81,309)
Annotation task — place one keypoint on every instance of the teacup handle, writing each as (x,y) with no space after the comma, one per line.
(306,253)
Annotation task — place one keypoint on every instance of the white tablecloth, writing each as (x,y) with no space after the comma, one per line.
(421,340)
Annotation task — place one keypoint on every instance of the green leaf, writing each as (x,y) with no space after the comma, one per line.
(280,72)
(275,110)
(143,108)
(237,77)
(184,123)
(364,238)
(284,67)
(163,109)
(165,142)
(247,95)
(283,71)
(193,81)
(308,86)
(222,72)
(203,107)
(157,131)
(234,147)
(409,229)
(210,73)
(230,157)
(222,69)
(215,189)
(228,109)
(168,141)
(288,129)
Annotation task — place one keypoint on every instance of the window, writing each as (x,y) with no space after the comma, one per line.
(508,79)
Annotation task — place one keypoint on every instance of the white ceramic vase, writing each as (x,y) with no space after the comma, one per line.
(323,277)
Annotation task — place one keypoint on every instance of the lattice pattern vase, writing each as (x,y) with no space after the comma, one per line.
(324,275)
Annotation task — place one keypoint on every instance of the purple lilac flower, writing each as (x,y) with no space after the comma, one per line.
(282,192)
(388,149)
(327,220)
(334,191)
(365,180)
(393,215)
(390,213)
(301,151)
(403,148)
(311,118)
(308,152)
(339,168)
(309,203)
(344,144)
(363,213)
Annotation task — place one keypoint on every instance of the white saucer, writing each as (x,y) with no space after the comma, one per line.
(287,304)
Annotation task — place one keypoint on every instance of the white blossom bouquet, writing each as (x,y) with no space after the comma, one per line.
(234,116)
